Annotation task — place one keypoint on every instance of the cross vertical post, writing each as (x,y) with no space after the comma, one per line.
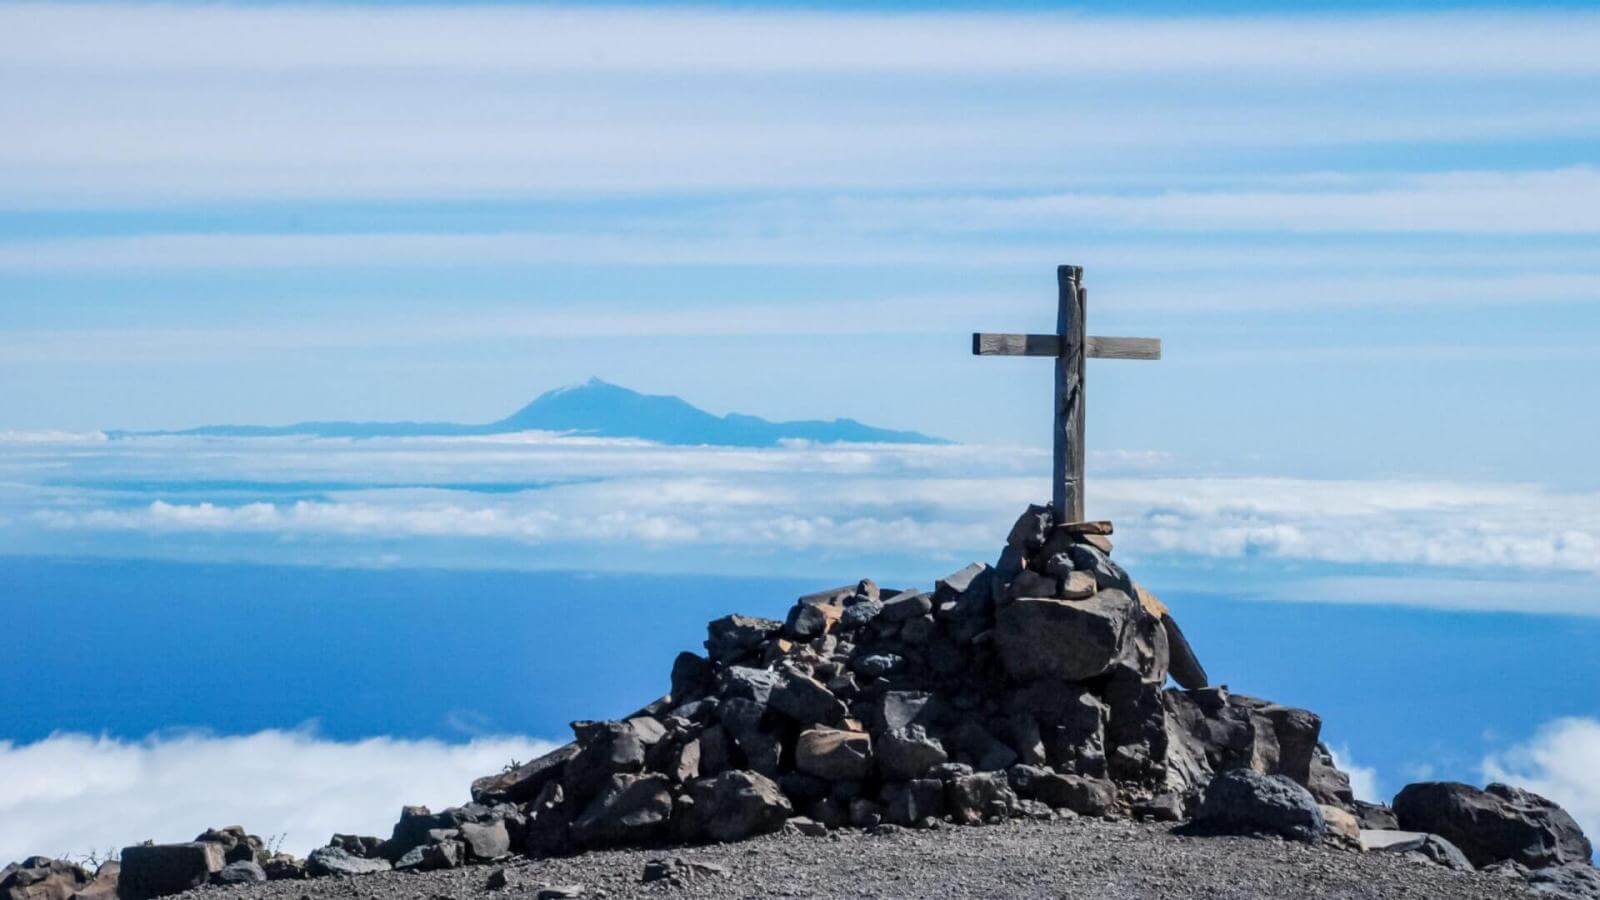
(1067,496)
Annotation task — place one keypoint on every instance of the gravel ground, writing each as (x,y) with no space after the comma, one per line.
(1077,858)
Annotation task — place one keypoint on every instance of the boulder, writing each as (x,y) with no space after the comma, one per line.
(1494,824)
(742,720)
(1072,640)
(547,831)
(739,804)
(522,783)
(1246,801)
(364,846)
(611,748)
(1575,881)
(730,638)
(972,799)
(1326,782)
(244,871)
(1084,796)
(1031,529)
(629,809)
(906,606)
(834,754)
(806,701)
(746,683)
(901,709)
(43,878)
(1375,816)
(283,867)
(807,621)
(858,614)
(1429,847)
(236,845)
(155,870)
(964,582)
(1074,585)
(805,827)
(877,665)
(487,841)
(1107,574)
(908,753)
(443,852)
(1212,730)
(910,802)
(336,861)
(1183,662)
(1343,826)
(1098,541)
(691,677)
(980,749)
(1032,584)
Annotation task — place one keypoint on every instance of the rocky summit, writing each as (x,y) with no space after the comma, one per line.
(1031,691)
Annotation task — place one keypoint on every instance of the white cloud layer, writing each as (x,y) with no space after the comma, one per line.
(1559,762)
(1463,545)
(75,794)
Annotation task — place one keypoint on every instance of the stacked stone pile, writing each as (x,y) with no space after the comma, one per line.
(1036,687)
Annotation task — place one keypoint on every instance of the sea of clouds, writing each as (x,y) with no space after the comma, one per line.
(431,501)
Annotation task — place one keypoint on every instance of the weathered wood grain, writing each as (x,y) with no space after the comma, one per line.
(1072,300)
(1122,348)
(1016,345)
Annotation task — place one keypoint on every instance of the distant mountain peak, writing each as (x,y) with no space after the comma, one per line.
(599,408)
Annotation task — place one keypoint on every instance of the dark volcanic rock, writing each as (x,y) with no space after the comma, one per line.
(1244,800)
(1070,639)
(155,870)
(1494,824)
(241,872)
(43,878)
(738,804)
(335,861)
(521,784)
(237,846)
(986,795)
(834,754)
(629,809)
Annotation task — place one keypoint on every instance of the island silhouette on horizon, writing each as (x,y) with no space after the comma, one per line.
(594,408)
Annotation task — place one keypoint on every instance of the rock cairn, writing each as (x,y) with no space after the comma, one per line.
(1036,687)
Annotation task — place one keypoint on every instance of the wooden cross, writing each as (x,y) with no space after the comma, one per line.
(1070,347)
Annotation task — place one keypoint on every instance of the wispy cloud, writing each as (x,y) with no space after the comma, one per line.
(696,40)
(76,793)
(156,104)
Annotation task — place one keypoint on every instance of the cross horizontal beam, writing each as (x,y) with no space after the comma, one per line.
(1050,345)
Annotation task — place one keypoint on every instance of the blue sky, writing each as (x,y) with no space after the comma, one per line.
(1365,232)
(1355,230)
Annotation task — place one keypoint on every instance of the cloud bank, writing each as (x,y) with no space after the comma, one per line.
(541,498)
(75,793)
